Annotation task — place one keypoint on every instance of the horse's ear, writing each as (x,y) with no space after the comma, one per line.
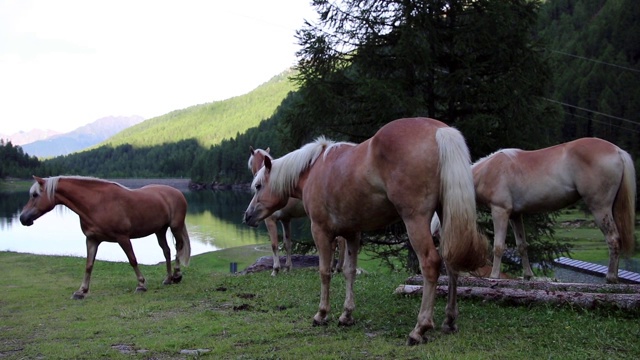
(267,163)
(268,149)
(251,149)
(38,179)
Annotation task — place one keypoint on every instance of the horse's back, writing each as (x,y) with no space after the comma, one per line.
(550,178)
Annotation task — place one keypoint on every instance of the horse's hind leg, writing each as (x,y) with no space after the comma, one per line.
(125,244)
(272,229)
(429,259)
(451,311)
(92,250)
(349,270)
(518,229)
(604,220)
(162,241)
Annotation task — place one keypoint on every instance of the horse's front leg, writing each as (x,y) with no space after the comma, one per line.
(349,269)
(323,245)
(517,225)
(342,248)
(92,250)
(500,223)
(272,229)
(451,311)
(286,237)
(162,241)
(125,244)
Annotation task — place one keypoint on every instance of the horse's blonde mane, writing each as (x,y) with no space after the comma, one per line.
(286,170)
(511,152)
(51,183)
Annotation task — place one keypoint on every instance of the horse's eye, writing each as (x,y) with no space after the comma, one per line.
(34,195)
(258,187)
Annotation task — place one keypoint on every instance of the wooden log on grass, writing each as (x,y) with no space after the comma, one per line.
(534,285)
(527,297)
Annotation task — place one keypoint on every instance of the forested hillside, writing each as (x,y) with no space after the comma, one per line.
(594,46)
(209,123)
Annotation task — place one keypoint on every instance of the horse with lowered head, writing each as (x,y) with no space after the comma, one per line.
(293,210)
(409,170)
(514,182)
(111,212)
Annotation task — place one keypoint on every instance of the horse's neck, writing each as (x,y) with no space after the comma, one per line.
(77,196)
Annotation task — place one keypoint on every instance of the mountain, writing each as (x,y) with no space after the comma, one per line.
(26,137)
(81,138)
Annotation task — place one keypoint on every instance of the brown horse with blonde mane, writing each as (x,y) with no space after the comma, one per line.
(513,182)
(293,210)
(111,212)
(409,170)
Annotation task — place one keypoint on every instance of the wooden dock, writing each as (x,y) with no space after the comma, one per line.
(595,269)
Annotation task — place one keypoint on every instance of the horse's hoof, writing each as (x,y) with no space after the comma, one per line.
(320,323)
(346,322)
(274,273)
(176,279)
(167,282)
(449,329)
(78,296)
(413,342)
(140,289)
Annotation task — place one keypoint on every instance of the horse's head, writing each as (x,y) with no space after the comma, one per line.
(256,160)
(265,201)
(41,201)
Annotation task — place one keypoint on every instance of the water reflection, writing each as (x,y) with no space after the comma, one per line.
(214,222)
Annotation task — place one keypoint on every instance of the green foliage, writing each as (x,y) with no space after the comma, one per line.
(471,64)
(15,162)
(170,160)
(595,49)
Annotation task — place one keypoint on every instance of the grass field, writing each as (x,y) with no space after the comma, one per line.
(217,315)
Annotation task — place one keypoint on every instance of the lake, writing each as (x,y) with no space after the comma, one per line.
(214,222)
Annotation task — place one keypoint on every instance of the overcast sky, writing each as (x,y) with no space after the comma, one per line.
(64,64)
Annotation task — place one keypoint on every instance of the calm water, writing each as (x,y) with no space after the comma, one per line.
(214,222)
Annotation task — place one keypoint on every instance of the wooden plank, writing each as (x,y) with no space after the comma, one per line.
(596,269)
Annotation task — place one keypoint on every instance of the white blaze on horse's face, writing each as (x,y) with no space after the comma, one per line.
(264,202)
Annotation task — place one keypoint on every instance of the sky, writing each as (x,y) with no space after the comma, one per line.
(67,63)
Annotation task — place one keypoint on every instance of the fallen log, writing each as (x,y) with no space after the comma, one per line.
(512,296)
(472,281)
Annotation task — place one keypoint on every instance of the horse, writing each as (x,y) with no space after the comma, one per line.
(349,188)
(111,212)
(293,210)
(515,182)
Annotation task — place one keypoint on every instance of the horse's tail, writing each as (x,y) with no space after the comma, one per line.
(183,247)
(624,206)
(463,247)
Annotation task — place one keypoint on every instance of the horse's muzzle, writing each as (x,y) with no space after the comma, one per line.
(250,219)
(25,220)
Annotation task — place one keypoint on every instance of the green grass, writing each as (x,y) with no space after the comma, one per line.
(257,316)
(15,185)
(587,240)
